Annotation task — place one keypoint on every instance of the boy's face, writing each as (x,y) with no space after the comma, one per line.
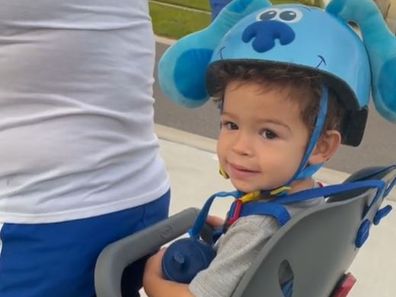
(262,138)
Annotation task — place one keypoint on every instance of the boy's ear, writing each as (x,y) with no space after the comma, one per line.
(326,147)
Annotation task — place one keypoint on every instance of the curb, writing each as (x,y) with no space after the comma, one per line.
(185,138)
(164,40)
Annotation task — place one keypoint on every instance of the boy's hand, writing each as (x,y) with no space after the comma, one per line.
(153,266)
(214,221)
(154,283)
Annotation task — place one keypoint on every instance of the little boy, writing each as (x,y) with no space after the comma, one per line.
(293,83)
(267,117)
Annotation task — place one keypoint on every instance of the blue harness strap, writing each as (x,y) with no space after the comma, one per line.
(276,207)
(203,214)
(274,210)
(180,252)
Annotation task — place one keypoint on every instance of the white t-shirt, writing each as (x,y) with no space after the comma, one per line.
(76,109)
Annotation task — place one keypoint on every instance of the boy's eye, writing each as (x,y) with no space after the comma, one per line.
(268,134)
(229,125)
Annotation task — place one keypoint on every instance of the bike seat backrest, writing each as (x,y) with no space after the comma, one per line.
(318,245)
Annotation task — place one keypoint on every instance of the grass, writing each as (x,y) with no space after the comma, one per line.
(205,5)
(173,22)
(197,4)
(307,2)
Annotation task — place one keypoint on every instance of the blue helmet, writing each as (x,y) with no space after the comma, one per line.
(309,38)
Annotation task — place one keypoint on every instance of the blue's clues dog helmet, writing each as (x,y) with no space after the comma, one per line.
(307,37)
(291,35)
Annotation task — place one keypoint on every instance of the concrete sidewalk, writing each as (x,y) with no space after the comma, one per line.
(193,169)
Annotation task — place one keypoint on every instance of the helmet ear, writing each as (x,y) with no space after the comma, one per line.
(182,69)
(381,47)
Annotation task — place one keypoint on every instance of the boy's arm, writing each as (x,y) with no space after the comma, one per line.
(154,283)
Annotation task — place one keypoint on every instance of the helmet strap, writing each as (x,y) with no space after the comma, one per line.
(223,173)
(305,170)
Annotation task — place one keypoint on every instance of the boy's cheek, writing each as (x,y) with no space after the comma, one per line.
(221,147)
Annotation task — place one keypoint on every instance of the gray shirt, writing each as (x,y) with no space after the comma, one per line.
(236,251)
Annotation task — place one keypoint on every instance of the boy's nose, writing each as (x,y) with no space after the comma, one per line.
(242,144)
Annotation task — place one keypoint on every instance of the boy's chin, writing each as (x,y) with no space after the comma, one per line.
(249,188)
(246,188)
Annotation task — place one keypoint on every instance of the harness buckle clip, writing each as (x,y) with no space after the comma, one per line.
(235,212)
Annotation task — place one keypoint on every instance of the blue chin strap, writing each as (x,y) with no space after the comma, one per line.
(305,170)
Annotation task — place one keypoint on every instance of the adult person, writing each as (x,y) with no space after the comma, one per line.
(79,159)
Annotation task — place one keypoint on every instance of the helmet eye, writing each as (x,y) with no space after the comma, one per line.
(290,16)
(268,15)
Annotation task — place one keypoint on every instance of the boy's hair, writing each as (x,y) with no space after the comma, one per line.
(305,84)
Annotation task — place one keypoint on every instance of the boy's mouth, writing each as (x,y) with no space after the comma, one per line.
(241,172)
